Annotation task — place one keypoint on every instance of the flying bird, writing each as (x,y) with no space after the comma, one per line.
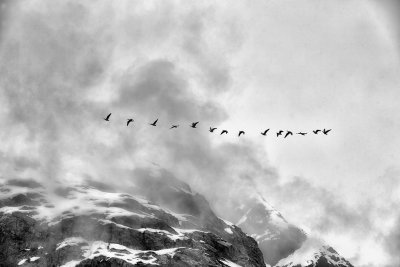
(174,126)
(265,132)
(194,124)
(302,133)
(326,131)
(212,129)
(316,131)
(224,132)
(108,117)
(288,133)
(279,133)
(154,123)
(241,132)
(128,121)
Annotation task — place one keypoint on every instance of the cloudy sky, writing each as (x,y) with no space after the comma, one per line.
(251,65)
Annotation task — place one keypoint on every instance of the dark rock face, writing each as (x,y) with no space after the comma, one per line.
(85,226)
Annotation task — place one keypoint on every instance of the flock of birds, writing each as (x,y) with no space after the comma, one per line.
(212,129)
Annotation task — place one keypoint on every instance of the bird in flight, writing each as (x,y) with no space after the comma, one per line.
(194,124)
(326,131)
(288,133)
(279,133)
(316,131)
(154,123)
(265,132)
(128,121)
(108,117)
(301,133)
(212,129)
(174,126)
(224,132)
(241,132)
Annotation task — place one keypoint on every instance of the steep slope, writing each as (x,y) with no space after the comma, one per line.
(276,237)
(88,225)
(283,244)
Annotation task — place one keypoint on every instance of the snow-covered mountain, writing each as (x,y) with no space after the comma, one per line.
(319,256)
(284,244)
(275,236)
(155,221)
(84,225)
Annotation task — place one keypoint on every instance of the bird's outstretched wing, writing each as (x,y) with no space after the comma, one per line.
(241,132)
(154,123)
(287,134)
(266,131)
(108,117)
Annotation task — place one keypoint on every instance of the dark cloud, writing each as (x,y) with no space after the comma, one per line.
(391,14)
(158,88)
(392,242)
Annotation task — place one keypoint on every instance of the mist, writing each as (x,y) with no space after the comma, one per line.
(66,64)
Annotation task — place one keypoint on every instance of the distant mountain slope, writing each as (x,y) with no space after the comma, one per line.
(283,244)
(276,237)
(87,225)
(319,256)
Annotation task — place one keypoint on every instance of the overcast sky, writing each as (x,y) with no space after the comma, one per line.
(237,65)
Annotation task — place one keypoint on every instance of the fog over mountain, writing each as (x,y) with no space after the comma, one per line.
(298,65)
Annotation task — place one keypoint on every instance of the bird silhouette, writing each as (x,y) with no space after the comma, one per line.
(326,131)
(174,126)
(316,131)
(265,132)
(241,132)
(212,129)
(194,124)
(224,132)
(301,133)
(288,133)
(128,121)
(154,123)
(279,133)
(108,117)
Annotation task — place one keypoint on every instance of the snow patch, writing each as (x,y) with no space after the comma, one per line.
(22,261)
(230,263)
(71,241)
(33,259)
(70,264)
(228,230)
